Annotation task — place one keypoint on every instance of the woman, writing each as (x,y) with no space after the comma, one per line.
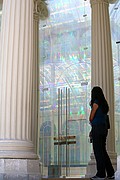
(99,110)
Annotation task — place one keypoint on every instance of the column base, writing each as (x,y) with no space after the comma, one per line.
(18,177)
(91,167)
(17,149)
(19,169)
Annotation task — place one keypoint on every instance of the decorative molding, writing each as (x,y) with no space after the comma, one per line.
(102,1)
(99,1)
(41,9)
(112,1)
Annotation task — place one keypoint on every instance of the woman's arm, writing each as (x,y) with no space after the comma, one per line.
(93,111)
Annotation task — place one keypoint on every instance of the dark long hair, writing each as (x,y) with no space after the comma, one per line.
(97,94)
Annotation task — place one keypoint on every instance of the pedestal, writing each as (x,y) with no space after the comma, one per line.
(19,169)
(91,168)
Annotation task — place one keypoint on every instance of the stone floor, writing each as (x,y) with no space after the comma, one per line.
(66,179)
(117,174)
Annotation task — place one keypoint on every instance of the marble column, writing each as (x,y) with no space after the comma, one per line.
(19,90)
(40,12)
(35,78)
(102,69)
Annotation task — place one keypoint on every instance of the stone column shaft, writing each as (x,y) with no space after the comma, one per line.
(102,69)
(35,82)
(16,62)
(102,63)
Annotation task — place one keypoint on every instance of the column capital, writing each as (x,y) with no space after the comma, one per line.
(99,1)
(112,1)
(40,9)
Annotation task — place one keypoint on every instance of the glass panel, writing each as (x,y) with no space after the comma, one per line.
(65,62)
(115,29)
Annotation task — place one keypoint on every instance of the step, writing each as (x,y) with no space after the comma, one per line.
(72,178)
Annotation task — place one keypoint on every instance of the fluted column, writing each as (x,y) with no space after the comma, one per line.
(35,78)
(40,12)
(19,71)
(16,74)
(102,65)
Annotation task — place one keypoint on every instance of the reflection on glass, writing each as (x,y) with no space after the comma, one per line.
(65,61)
(115,29)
